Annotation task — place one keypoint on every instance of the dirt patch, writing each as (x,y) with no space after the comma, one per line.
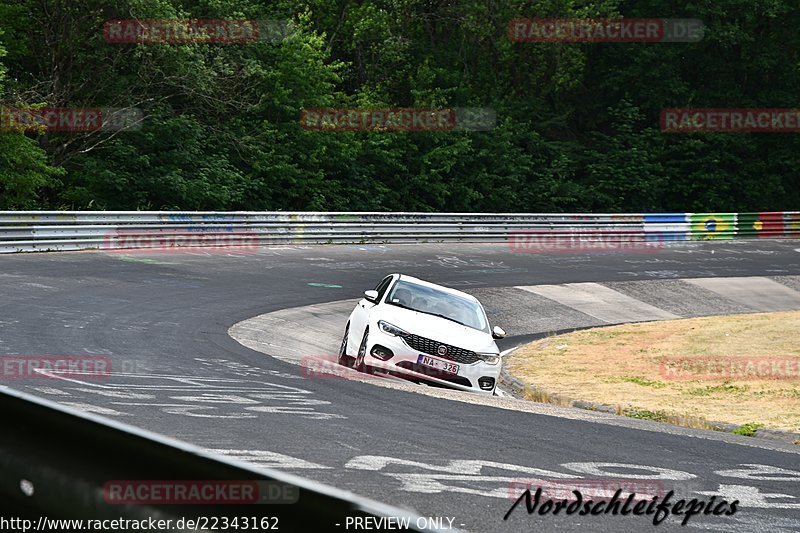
(742,369)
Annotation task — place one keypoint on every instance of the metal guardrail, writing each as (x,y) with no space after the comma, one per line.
(57,463)
(29,231)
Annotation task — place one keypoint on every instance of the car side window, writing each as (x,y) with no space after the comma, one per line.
(382,286)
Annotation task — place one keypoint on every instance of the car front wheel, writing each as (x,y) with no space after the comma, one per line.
(345,359)
(362,353)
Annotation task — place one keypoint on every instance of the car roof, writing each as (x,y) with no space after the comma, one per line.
(417,281)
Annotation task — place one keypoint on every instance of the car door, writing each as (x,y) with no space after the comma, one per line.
(360,317)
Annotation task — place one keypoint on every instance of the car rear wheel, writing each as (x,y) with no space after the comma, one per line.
(345,359)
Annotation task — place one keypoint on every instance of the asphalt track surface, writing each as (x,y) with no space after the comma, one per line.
(163,318)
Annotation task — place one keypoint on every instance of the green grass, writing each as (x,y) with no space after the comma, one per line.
(669,418)
(780,393)
(602,333)
(636,380)
(706,391)
(644,382)
(748,430)
(644,414)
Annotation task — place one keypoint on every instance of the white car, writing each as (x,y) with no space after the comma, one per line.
(423,331)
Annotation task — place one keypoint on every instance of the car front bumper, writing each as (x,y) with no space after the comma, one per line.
(405,361)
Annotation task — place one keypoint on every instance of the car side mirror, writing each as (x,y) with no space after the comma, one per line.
(498,332)
(371,296)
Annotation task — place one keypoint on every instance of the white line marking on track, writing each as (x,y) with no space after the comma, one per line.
(89,408)
(268,459)
(753,497)
(51,390)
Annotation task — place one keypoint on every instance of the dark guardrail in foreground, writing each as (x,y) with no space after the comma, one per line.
(57,463)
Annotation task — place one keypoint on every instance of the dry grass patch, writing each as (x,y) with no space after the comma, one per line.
(628,366)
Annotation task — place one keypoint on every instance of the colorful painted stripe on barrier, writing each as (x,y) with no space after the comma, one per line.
(764,225)
(706,226)
(791,223)
(666,227)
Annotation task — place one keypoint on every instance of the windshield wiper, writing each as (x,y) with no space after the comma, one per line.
(448,318)
(429,313)
(398,304)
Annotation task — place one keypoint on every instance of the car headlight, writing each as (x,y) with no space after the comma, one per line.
(391,329)
(490,358)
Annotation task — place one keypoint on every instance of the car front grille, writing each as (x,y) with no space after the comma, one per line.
(431,347)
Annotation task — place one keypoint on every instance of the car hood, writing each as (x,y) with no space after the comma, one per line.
(438,329)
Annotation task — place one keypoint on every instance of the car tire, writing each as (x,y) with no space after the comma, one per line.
(362,353)
(345,359)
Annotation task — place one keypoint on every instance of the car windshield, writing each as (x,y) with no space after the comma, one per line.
(440,303)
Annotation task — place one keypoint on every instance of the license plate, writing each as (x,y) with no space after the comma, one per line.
(438,364)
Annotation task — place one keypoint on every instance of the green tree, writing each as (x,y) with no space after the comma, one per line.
(24,168)
(577,123)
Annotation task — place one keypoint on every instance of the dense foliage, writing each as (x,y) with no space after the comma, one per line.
(577,124)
